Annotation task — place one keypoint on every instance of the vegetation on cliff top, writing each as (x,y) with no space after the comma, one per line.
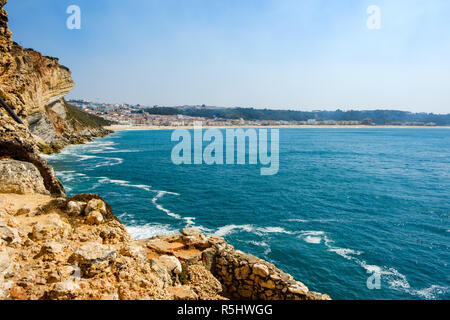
(379,117)
(75,115)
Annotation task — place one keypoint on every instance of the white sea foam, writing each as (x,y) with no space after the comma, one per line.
(432,292)
(311,233)
(84,157)
(229,229)
(108,162)
(313,237)
(344,252)
(123,183)
(312,220)
(114,150)
(149,230)
(160,194)
(120,182)
(315,240)
(141,186)
(272,230)
(297,220)
(261,244)
(389,275)
(67,176)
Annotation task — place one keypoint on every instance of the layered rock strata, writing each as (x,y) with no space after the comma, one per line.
(33,86)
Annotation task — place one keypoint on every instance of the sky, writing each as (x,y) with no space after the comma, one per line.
(280,54)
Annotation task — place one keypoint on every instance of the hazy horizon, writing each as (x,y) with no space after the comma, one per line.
(277,54)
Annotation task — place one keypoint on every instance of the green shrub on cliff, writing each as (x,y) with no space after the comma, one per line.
(76,115)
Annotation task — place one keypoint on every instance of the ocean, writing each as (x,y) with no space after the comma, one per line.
(346,206)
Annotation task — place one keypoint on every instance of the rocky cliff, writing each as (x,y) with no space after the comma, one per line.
(34,86)
(55,247)
(74,248)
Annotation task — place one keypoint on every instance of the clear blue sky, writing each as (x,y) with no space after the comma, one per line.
(311,54)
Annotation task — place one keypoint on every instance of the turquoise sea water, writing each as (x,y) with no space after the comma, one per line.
(345,202)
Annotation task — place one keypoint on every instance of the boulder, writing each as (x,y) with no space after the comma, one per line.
(261,270)
(94,218)
(269,284)
(190,232)
(242,273)
(24,211)
(20,177)
(50,227)
(65,290)
(8,234)
(95,205)
(199,242)
(76,208)
(93,258)
(52,251)
(170,263)
(298,288)
(135,252)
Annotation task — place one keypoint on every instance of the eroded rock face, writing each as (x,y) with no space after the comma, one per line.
(93,258)
(54,127)
(28,80)
(7,234)
(20,177)
(170,263)
(76,208)
(17,143)
(33,86)
(203,283)
(5,266)
(50,227)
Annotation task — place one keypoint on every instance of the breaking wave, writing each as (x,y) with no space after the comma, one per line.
(149,230)
(229,229)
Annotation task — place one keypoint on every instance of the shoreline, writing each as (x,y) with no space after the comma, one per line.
(137,128)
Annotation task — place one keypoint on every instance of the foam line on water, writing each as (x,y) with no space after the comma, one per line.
(122,183)
(229,229)
(67,176)
(395,279)
(109,162)
(312,220)
(262,244)
(149,230)
(159,195)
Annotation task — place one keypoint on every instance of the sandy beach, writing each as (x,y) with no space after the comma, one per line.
(127,127)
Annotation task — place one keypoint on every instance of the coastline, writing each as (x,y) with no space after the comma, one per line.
(131,128)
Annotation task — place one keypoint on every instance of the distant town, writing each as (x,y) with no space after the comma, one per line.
(138,115)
